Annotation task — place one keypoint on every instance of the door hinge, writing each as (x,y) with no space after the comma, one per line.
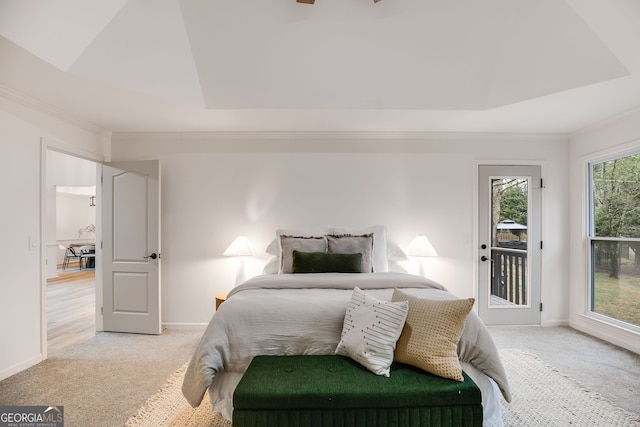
(541,183)
(540,306)
(541,244)
(102,310)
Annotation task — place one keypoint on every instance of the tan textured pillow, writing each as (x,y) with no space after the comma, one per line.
(431,333)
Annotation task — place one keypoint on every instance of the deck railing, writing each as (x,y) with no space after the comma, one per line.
(509,274)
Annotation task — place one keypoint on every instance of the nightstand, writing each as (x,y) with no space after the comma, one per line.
(220,298)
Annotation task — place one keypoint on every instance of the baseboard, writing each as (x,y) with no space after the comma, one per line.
(550,323)
(178,325)
(6,373)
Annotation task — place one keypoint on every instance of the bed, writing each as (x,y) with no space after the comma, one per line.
(285,313)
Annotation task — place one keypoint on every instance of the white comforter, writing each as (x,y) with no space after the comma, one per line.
(286,314)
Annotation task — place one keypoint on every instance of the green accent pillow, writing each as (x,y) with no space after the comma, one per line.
(324,262)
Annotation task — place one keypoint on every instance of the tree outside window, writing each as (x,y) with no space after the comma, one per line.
(615,240)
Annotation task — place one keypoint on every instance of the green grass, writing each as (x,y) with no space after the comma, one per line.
(618,298)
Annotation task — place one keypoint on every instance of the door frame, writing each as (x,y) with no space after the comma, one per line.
(477,251)
(46,145)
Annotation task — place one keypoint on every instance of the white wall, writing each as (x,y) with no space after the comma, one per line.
(73,213)
(216,186)
(21,133)
(615,136)
(66,213)
(19,219)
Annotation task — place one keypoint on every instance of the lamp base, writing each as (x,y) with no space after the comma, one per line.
(240,275)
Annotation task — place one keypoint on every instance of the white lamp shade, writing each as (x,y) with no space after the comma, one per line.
(420,246)
(239,247)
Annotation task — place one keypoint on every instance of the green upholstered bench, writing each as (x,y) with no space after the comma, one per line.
(331,391)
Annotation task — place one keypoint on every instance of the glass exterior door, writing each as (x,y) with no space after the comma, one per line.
(509,226)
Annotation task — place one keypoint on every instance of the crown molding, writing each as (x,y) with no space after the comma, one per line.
(48,109)
(605,123)
(140,144)
(332,135)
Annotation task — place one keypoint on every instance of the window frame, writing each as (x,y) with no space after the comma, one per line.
(590,238)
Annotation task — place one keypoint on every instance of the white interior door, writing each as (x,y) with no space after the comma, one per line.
(131,247)
(510,244)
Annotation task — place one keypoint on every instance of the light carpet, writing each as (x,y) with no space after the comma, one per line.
(542,396)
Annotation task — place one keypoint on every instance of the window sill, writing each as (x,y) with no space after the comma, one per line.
(627,336)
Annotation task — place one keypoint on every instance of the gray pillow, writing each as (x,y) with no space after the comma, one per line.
(350,244)
(304,244)
(323,262)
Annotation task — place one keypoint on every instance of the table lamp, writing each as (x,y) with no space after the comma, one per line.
(421,247)
(240,247)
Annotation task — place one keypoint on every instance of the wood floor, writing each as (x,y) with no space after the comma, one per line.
(71,317)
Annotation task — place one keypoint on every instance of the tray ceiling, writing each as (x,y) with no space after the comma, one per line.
(336,65)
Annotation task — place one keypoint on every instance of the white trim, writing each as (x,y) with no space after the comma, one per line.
(612,239)
(612,321)
(554,323)
(334,135)
(20,367)
(605,123)
(50,110)
(71,150)
(47,144)
(43,251)
(582,317)
(616,335)
(184,326)
(625,149)
(137,146)
(475,227)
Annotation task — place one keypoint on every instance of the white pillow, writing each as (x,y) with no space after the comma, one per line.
(348,244)
(379,242)
(297,243)
(272,266)
(272,247)
(370,331)
(397,267)
(395,252)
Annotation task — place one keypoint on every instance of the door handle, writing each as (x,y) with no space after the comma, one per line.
(484,259)
(152,256)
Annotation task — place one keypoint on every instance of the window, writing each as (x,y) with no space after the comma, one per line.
(614,236)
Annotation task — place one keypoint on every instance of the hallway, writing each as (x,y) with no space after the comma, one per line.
(71,317)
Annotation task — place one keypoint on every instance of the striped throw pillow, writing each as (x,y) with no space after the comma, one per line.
(370,331)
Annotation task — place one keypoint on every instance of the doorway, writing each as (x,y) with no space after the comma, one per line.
(69,227)
(510,243)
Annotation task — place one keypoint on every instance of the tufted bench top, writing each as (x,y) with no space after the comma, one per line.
(331,384)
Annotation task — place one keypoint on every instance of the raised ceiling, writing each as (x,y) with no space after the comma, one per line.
(336,65)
